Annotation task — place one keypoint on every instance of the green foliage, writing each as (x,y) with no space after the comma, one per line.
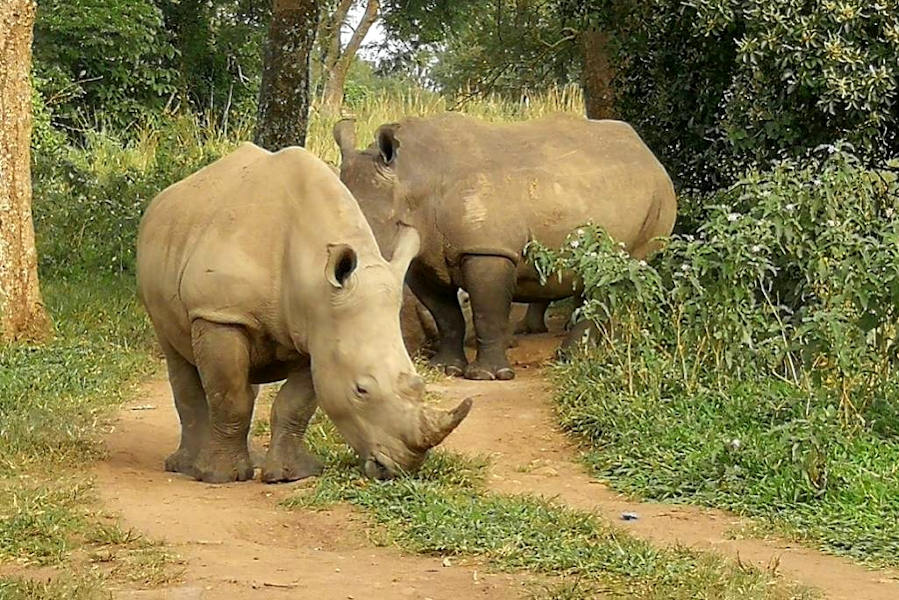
(714,82)
(102,60)
(753,366)
(364,87)
(509,48)
(415,25)
(88,199)
(219,45)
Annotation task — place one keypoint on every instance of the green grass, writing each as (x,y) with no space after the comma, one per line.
(445,510)
(762,448)
(53,395)
(84,587)
(54,400)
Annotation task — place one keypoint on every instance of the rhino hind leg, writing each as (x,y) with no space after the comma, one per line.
(534,320)
(583,334)
(190,401)
(443,304)
(222,353)
(490,281)
(287,458)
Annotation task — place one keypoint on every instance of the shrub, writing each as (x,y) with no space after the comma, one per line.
(752,365)
(102,60)
(711,83)
(793,271)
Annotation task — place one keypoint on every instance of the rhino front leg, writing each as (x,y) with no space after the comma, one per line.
(190,401)
(287,458)
(534,320)
(222,354)
(490,281)
(443,304)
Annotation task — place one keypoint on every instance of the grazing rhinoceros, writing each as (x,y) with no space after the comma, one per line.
(479,192)
(261,267)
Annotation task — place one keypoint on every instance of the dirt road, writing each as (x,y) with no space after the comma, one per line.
(238,543)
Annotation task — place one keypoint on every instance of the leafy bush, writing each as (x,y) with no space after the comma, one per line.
(88,199)
(714,82)
(752,365)
(102,59)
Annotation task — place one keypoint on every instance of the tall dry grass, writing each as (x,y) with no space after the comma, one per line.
(374,111)
(194,139)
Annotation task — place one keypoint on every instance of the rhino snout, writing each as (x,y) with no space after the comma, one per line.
(379,466)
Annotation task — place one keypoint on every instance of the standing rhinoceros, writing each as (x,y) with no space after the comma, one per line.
(261,267)
(479,192)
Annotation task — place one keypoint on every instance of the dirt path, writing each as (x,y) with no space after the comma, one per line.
(238,543)
(512,422)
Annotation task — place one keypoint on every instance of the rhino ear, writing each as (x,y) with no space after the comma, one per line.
(342,262)
(345,135)
(388,144)
(407,245)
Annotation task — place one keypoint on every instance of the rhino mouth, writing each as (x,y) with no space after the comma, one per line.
(379,466)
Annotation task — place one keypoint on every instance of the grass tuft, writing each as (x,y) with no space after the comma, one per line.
(445,510)
(754,447)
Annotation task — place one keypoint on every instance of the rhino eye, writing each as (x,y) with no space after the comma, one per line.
(361,391)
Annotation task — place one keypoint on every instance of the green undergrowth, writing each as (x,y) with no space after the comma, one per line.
(54,401)
(66,588)
(445,510)
(759,447)
(751,365)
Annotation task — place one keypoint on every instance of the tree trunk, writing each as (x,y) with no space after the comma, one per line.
(283,113)
(329,42)
(333,95)
(22,313)
(597,76)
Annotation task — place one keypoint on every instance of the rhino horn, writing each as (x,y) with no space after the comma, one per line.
(345,135)
(437,424)
(408,243)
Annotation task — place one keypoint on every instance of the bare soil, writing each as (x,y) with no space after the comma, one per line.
(237,542)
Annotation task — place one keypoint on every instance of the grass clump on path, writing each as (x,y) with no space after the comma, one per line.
(445,510)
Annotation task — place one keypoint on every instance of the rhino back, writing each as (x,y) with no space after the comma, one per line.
(223,243)
(493,187)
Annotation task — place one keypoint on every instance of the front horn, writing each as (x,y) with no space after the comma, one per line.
(436,424)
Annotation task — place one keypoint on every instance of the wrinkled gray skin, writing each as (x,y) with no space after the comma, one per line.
(479,192)
(261,267)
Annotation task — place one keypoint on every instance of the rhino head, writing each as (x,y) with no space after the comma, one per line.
(363,376)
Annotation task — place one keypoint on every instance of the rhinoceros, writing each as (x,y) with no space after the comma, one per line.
(479,192)
(261,267)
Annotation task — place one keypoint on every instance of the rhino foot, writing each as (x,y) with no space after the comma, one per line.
(221,467)
(452,366)
(181,461)
(484,373)
(283,464)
